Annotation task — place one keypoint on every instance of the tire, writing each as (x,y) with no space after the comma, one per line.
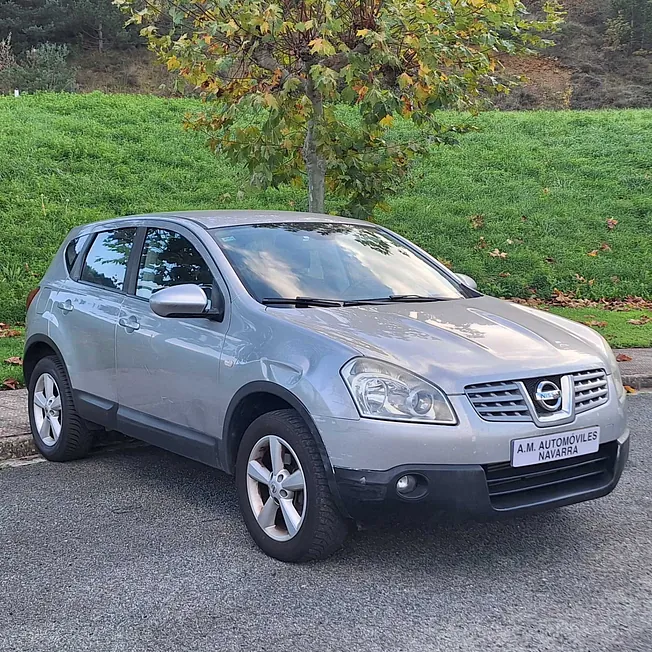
(320,528)
(74,439)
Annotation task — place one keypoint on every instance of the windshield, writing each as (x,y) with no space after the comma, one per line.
(337,261)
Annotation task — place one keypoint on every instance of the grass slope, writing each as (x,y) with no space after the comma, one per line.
(545,184)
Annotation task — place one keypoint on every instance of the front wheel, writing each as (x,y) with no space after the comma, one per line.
(283,490)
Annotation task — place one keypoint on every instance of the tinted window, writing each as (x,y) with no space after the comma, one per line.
(170,259)
(106,261)
(329,261)
(73,250)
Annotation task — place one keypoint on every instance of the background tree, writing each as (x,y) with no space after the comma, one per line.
(282,71)
(88,23)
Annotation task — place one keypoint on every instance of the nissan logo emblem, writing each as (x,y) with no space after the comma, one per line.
(548,396)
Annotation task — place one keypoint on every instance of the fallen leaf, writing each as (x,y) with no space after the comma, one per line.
(496,253)
(629,390)
(605,247)
(11,383)
(643,319)
(595,324)
(611,224)
(615,279)
(591,281)
(623,357)
(510,241)
(11,332)
(580,279)
(504,274)
(482,243)
(446,262)
(14,360)
(523,218)
(477,221)
(592,253)
(569,300)
(546,191)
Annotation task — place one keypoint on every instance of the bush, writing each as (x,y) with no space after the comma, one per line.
(43,68)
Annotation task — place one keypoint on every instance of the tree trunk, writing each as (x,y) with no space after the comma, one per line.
(100,38)
(315,164)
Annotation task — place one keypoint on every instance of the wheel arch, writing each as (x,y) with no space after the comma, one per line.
(255,399)
(38,346)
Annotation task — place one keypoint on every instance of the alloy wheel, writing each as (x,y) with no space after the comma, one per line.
(46,406)
(276,488)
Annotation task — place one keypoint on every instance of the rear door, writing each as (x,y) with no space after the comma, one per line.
(86,311)
(168,368)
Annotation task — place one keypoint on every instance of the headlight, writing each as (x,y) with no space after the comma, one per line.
(381,390)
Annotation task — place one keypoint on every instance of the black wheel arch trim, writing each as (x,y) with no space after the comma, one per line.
(39,338)
(267,387)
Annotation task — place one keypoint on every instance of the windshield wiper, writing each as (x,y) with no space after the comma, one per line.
(394,298)
(303,301)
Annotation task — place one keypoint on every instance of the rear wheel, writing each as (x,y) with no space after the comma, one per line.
(283,490)
(59,433)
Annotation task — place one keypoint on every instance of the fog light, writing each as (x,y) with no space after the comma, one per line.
(406,484)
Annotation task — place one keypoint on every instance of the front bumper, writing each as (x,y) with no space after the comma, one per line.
(487,490)
(381,445)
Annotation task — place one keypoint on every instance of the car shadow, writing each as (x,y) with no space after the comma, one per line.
(531,541)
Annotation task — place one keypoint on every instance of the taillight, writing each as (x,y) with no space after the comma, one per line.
(31,296)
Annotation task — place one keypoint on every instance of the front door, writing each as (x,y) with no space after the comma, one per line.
(168,368)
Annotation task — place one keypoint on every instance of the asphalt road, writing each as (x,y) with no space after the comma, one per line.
(140,550)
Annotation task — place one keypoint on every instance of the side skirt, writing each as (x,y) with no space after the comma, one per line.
(174,438)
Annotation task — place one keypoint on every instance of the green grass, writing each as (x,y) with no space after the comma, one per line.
(617,331)
(544,182)
(11,347)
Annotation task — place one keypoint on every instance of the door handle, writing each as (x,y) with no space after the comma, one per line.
(130,324)
(65,306)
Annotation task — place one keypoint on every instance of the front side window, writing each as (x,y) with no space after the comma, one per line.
(106,260)
(170,259)
(335,261)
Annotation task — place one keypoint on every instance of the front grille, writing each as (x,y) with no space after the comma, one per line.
(500,401)
(513,488)
(591,389)
(505,400)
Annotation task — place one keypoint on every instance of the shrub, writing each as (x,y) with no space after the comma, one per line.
(43,68)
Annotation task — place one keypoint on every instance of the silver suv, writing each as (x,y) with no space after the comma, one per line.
(330,364)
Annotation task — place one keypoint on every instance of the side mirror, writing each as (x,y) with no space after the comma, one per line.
(180,301)
(468,281)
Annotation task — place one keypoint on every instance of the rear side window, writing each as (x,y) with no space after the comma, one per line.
(106,261)
(73,250)
(170,259)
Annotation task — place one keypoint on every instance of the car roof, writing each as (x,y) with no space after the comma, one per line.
(217,218)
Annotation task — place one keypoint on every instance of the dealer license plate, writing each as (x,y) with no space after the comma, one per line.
(560,446)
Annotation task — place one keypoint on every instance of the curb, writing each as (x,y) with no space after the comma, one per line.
(16,446)
(637,381)
(20,446)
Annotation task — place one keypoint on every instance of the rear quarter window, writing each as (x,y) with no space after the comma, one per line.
(73,250)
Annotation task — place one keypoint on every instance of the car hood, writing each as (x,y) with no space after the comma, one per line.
(458,342)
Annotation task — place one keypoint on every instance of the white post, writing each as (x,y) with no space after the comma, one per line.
(16,93)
